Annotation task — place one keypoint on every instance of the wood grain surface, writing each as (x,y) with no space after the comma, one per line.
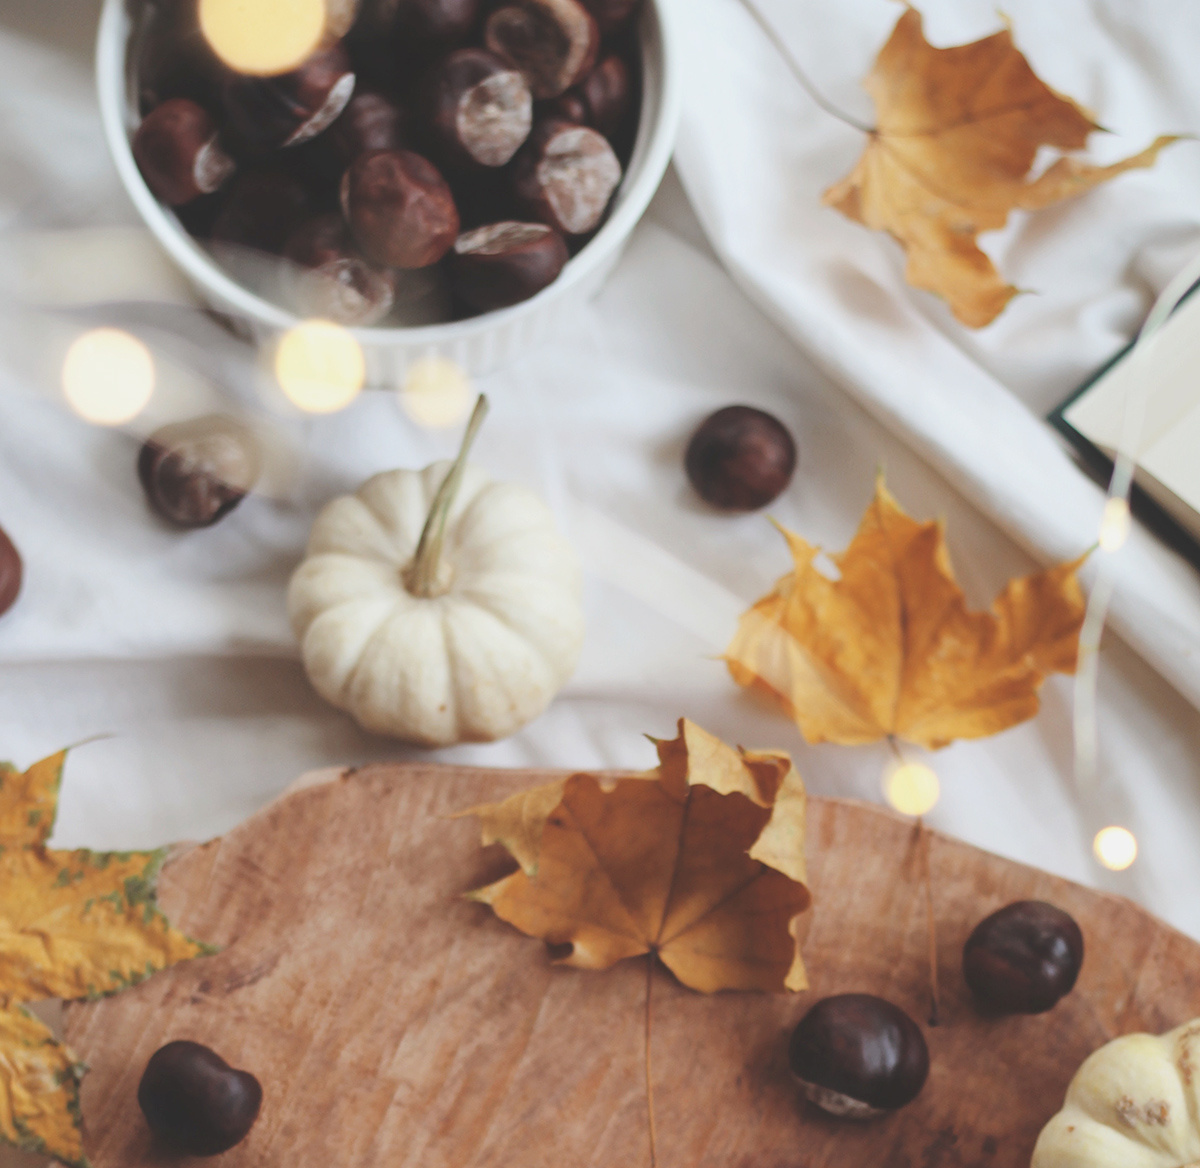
(394,1023)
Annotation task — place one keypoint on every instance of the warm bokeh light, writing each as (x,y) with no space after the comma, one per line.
(1116,848)
(320,367)
(437,392)
(263,37)
(108,376)
(1114,529)
(912,788)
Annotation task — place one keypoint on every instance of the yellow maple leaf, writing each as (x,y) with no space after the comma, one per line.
(890,648)
(957,133)
(73,924)
(700,862)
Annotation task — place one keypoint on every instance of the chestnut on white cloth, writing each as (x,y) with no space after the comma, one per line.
(178,642)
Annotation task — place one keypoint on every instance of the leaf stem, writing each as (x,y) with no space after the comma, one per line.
(798,72)
(421,577)
(935,1009)
(649,1077)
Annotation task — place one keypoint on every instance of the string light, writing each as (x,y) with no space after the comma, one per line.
(436,393)
(320,367)
(912,788)
(108,376)
(263,37)
(1116,848)
(1114,529)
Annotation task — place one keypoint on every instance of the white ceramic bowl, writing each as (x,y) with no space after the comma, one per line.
(480,344)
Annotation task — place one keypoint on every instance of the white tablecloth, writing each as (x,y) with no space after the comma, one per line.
(176,645)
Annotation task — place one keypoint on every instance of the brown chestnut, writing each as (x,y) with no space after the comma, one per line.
(611,14)
(261,209)
(195,1101)
(422,29)
(505,263)
(177,151)
(602,100)
(478,108)
(859,1056)
(370,121)
(328,278)
(265,113)
(400,208)
(553,42)
(195,472)
(565,176)
(11,571)
(740,459)
(171,58)
(1023,958)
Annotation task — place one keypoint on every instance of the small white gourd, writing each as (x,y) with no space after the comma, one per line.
(1135,1103)
(438,606)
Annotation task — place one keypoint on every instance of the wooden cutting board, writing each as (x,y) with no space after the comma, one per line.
(394,1023)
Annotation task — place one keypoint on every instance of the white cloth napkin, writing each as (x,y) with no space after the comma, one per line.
(756,153)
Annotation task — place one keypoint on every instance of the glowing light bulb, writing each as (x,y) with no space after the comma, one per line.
(912,788)
(320,366)
(263,37)
(1116,848)
(437,392)
(108,376)
(1114,529)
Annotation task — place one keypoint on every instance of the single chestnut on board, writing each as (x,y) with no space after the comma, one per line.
(859,1056)
(740,459)
(195,1101)
(504,263)
(11,571)
(1023,958)
(553,42)
(177,151)
(195,472)
(400,208)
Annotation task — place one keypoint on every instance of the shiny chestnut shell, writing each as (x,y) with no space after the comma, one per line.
(11,571)
(740,458)
(195,1101)
(1023,958)
(858,1055)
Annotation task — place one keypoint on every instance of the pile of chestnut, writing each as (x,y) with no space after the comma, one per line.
(446,151)
(860,1056)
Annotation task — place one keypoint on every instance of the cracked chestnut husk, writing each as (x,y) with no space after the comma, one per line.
(177,150)
(740,459)
(1023,959)
(477,108)
(504,263)
(11,571)
(400,209)
(553,42)
(195,1101)
(565,176)
(195,472)
(327,278)
(266,113)
(858,1056)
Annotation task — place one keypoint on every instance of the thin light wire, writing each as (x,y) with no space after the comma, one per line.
(797,69)
(1119,487)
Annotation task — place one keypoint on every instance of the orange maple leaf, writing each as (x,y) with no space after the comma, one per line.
(957,133)
(890,647)
(700,862)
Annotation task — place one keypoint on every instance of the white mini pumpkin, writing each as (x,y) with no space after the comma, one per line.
(1135,1103)
(438,606)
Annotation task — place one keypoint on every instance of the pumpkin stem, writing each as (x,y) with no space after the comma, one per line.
(421,576)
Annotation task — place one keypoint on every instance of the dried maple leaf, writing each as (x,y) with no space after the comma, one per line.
(890,648)
(72,925)
(957,133)
(700,862)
